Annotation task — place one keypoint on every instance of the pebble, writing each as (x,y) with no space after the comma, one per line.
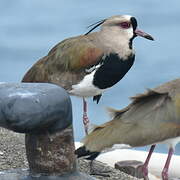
(113,174)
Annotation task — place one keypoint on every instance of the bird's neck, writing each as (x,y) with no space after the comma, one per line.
(112,42)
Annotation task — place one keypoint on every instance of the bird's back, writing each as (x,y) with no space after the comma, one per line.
(65,63)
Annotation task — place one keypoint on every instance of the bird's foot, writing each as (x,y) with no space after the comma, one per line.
(146,178)
(143,171)
(165,174)
(166,167)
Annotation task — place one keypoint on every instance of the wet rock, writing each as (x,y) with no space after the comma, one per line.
(51,153)
(13,147)
(34,107)
(132,168)
(43,112)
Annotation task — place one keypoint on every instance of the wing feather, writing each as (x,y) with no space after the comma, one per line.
(66,63)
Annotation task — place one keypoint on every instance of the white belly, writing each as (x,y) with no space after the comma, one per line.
(85,88)
(171,142)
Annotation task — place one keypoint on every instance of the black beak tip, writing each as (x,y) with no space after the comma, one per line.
(150,38)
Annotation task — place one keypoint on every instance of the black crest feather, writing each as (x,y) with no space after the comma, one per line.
(95,25)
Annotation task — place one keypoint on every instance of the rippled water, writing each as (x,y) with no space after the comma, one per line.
(28,29)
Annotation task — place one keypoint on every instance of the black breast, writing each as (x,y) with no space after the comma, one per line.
(112,70)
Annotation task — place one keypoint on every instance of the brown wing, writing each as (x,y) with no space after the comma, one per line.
(151,118)
(66,63)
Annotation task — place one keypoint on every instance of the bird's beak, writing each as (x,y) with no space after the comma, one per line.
(143,34)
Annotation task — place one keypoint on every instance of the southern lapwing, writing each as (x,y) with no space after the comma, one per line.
(89,64)
(152,117)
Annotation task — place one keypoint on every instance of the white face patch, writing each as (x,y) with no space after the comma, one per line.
(115,38)
(129,32)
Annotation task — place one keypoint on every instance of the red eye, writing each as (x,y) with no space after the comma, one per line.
(125,25)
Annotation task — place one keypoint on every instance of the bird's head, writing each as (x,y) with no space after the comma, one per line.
(125,24)
(121,25)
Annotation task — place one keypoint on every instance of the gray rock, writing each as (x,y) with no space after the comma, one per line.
(34,107)
(113,174)
(51,154)
(133,168)
(43,112)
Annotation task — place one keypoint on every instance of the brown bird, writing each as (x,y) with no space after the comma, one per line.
(89,64)
(153,117)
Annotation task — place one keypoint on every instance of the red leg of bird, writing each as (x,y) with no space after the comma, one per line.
(146,163)
(85,117)
(166,167)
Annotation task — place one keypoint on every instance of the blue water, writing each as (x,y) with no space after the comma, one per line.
(28,29)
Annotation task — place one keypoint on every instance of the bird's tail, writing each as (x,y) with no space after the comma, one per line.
(88,142)
(82,151)
(102,136)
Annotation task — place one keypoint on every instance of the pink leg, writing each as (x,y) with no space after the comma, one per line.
(145,165)
(85,117)
(166,167)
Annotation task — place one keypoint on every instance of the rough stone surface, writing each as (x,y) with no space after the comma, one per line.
(13,148)
(114,174)
(51,153)
(133,168)
(34,107)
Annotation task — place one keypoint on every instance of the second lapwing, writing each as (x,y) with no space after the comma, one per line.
(151,118)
